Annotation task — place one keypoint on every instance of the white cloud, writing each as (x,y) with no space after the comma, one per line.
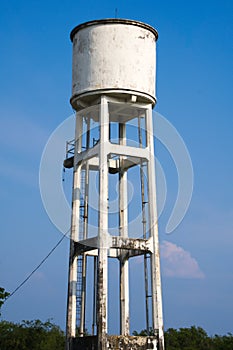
(176,262)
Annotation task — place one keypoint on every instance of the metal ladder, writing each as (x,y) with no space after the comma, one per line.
(79,290)
(79,287)
(83,209)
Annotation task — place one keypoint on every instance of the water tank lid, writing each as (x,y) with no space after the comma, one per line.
(113,21)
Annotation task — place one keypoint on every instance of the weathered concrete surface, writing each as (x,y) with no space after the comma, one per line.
(131,342)
(113,56)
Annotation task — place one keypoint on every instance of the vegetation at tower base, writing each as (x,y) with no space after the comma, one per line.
(38,335)
(193,338)
(31,335)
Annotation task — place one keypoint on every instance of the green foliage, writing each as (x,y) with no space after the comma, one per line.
(195,338)
(3,297)
(30,335)
(224,342)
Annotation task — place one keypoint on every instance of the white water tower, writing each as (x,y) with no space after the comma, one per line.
(113,88)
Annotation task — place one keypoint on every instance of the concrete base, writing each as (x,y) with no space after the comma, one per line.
(85,343)
(116,342)
(121,342)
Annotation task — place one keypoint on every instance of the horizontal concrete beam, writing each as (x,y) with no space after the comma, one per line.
(135,246)
(113,164)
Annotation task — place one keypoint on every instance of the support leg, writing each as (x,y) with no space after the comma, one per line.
(123,231)
(74,236)
(157,316)
(103,229)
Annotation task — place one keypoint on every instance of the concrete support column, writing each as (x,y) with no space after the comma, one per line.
(123,222)
(157,317)
(74,237)
(102,294)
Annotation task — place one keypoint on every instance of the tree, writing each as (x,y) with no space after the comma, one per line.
(193,338)
(224,342)
(3,296)
(30,335)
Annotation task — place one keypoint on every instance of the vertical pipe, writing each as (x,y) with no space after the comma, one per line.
(153,222)
(123,222)
(94,295)
(74,237)
(103,227)
(144,227)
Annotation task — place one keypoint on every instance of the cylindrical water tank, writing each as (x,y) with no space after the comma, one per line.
(114,57)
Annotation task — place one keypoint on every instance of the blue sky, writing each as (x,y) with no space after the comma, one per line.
(194,91)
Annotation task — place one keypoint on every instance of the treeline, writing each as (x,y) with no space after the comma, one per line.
(31,335)
(195,338)
(37,335)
